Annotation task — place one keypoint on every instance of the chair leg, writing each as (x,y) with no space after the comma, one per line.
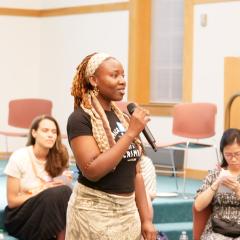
(218,160)
(184,170)
(173,167)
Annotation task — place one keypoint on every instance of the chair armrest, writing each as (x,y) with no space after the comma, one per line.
(200,220)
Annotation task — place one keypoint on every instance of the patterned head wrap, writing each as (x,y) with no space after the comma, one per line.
(94,63)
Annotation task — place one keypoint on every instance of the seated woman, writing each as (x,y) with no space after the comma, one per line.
(221,189)
(36,192)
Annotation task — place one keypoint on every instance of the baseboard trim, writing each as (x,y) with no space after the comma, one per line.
(5,155)
(196,174)
(190,173)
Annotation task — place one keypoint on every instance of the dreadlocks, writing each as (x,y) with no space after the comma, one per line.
(80,85)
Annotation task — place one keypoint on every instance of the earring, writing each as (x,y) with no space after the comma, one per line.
(95,90)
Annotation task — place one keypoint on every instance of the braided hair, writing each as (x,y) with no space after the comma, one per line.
(81,85)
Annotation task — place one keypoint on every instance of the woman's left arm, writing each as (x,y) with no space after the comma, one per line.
(148,230)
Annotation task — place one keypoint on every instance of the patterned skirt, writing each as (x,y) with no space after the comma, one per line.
(94,214)
(41,217)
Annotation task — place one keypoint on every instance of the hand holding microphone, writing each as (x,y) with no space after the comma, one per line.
(143,118)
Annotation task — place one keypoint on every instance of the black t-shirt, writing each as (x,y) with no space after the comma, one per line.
(121,180)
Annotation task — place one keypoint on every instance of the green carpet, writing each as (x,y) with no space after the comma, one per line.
(172,215)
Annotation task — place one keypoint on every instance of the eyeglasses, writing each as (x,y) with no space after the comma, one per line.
(229,156)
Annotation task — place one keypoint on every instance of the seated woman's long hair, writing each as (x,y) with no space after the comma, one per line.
(57,158)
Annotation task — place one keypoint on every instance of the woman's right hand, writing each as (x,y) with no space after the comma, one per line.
(138,121)
(224,178)
(148,231)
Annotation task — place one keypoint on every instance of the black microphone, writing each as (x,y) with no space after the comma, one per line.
(146,132)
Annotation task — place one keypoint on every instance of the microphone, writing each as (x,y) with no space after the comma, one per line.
(146,132)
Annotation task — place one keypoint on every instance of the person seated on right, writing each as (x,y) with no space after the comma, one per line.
(221,189)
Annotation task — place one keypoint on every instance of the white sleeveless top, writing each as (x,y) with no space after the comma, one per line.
(23,165)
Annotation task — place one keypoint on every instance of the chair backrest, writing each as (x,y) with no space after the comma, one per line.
(200,220)
(23,111)
(194,120)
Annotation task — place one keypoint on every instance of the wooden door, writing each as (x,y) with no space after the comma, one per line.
(232,92)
